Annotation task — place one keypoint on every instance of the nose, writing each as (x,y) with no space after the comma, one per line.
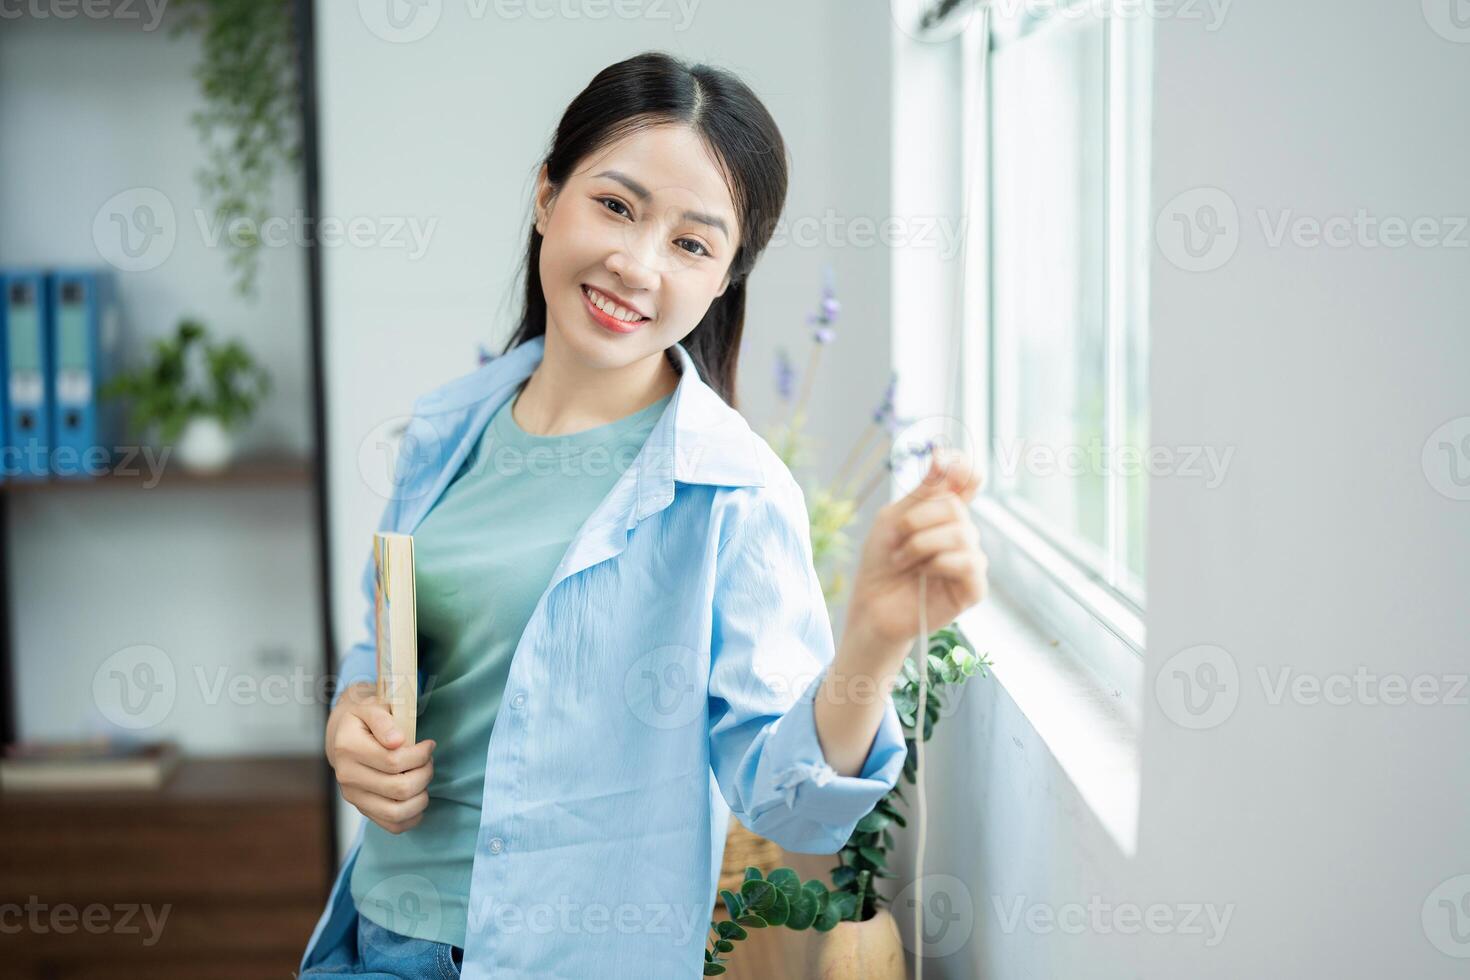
(635,262)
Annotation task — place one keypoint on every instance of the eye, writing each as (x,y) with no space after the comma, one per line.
(698,245)
(613,200)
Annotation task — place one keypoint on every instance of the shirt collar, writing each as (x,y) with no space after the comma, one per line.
(699,438)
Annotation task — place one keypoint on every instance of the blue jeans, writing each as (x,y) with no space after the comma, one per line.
(382,954)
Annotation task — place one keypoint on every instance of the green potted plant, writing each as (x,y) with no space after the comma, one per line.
(249,119)
(862,938)
(167,401)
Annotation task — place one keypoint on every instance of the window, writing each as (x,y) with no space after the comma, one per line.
(1056,105)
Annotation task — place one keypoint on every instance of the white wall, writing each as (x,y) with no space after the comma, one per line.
(446,130)
(218,580)
(1327,547)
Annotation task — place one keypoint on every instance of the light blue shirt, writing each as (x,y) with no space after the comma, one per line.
(482,557)
(664,680)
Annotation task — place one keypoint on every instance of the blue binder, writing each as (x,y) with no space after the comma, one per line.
(28,375)
(5,462)
(84,351)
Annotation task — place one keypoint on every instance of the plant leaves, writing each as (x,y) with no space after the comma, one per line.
(733,905)
(758,896)
(787,881)
(804,909)
(779,912)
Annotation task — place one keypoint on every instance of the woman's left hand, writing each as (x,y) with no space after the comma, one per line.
(930,531)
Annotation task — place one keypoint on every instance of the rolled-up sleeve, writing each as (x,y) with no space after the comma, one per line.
(771,647)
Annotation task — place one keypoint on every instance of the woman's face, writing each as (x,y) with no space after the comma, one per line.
(646,223)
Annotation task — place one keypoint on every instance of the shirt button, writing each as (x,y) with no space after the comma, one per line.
(496,845)
(519,701)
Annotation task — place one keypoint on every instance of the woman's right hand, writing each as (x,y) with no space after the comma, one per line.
(387,781)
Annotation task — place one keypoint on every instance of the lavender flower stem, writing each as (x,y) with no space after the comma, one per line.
(806,379)
(872,484)
(852,453)
(881,450)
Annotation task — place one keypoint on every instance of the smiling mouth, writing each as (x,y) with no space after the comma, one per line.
(606,318)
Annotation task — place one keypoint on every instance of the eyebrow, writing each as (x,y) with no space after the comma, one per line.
(643,195)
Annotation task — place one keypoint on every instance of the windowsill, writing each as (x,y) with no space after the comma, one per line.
(1083,723)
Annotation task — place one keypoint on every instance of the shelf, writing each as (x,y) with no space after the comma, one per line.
(232,780)
(261,469)
(228,865)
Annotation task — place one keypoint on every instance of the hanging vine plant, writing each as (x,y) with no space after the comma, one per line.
(251,121)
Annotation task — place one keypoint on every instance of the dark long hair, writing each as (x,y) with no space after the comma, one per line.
(654,88)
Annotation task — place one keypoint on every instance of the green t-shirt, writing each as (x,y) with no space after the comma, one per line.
(483,555)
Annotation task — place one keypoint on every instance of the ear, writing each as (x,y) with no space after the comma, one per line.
(723,286)
(543,199)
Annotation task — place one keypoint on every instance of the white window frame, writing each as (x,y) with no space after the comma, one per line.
(1100,624)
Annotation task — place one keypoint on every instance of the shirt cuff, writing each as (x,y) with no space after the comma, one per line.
(803,780)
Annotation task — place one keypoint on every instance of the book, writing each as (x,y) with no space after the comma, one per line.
(101,763)
(397,622)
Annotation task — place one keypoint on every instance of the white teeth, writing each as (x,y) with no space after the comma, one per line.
(611,308)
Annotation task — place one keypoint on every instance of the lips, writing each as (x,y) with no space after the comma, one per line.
(607,320)
(609,294)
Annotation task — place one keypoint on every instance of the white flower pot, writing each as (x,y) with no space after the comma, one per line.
(205,446)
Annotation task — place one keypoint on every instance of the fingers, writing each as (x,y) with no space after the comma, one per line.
(392,761)
(398,787)
(375,714)
(964,570)
(927,512)
(950,471)
(394,801)
(352,740)
(922,545)
(394,816)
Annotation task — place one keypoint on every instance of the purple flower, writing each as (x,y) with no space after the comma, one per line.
(883,414)
(827,311)
(785,375)
(893,423)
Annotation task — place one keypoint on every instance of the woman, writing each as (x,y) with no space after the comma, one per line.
(622,636)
